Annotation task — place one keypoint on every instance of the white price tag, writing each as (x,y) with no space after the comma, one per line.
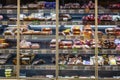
(37,67)
(48,23)
(40,11)
(26,36)
(80,11)
(92,11)
(1,51)
(28,67)
(42,23)
(25,11)
(34,37)
(6,51)
(63,11)
(104,51)
(11,51)
(53,51)
(43,51)
(9,11)
(0,11)
(35,51)
(54,23)
(65,51)
(28,51)
(71,11)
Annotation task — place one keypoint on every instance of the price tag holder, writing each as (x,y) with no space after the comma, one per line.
(12,50)
(48,67)
(28,51)
(80,11)
(104,52)
(9,11)
(48,23)
(63,11)
(65,51)
(22,51)
(37,67)
(23,67)
(43,51)
(28,67)
(40,11)
(115,68)
(6,51)
(1,51)
(35,51)
(54,23)
(25,11)
(48,51)
(0,11)
(71,11)
(34,37)
(92,11)
(4,23)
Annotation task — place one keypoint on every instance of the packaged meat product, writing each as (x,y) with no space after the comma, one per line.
(8,32)
(65,17)
(25,61)
(4,45)
(53,15)
(36,32)
(25,44)
(110,31)
(29,32)
(2,61)
(112,60)
(2,41)
(5,56)
(10,6)
(46,29)
(1,17)
(118,47)
(41,4)
(35,46)
(66,32)
(32,5)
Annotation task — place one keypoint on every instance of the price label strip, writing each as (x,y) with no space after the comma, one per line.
(80,11)
(35,51)
(25,11)
(9,11)
(63,11)
(71,11)
(4,23)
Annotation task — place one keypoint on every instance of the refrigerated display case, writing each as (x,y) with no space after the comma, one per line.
(61,40)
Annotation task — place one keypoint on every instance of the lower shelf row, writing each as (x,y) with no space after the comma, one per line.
(64,59)
(62,74)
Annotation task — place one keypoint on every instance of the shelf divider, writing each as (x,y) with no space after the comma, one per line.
(57,36)
(96,39)
(18,39)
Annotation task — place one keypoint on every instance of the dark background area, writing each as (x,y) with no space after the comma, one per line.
(102,2)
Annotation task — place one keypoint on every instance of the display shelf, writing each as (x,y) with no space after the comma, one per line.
(8,50)
(61,51)
(90,67)
(81,11)
(7,66)
(80,78)
(38,67)
(79,22)
(36,78)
